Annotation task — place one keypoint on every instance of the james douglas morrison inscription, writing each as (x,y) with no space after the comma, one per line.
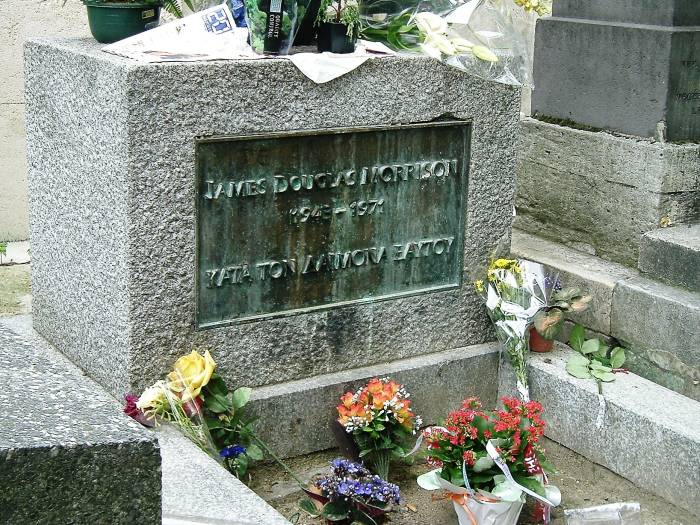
(294,222)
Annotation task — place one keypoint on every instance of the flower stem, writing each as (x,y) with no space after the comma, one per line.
(278,460)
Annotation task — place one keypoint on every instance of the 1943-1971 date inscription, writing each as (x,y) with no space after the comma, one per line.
(296,222)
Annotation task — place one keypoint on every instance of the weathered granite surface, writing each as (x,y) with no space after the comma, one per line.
(600,193)
(111,197)
(67,453)
(661,325)
(631,69)
(640,430)
(196,489)
(672,255)
(295,417)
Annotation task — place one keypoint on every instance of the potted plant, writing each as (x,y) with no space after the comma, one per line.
(381,422)
(113,20)
(351,495)
(547,323)
(338,24)
(486,462)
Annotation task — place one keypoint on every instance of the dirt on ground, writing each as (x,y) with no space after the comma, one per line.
(15,294)
(582,484)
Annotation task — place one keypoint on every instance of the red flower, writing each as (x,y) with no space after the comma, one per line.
(469,457)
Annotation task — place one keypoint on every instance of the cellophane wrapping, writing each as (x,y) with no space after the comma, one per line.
(491,39)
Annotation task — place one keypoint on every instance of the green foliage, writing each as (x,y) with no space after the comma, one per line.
(340,12)
(594,360)
(400,33)
(224,414)
(3,250)
(175,8)
(548,322)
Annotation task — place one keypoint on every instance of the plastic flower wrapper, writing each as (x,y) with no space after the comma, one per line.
(279,18)
(491,39)
(514,291)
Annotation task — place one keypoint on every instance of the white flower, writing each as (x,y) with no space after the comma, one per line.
(430,23)
(152,397)
(461,45)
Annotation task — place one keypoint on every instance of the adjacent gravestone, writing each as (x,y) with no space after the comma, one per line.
(631,66)
(294,229)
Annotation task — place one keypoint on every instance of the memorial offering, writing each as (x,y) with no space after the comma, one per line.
(196,399)
(514,292)
(351,494)
(487,462)
(381,422)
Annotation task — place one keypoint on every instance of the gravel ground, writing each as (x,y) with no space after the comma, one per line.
(15,295)
(582,483)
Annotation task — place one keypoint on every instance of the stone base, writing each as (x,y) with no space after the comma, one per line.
(599,192)
(295,417)
(67,452)
(635,78)
(639,430)
(655,321)
(672,255)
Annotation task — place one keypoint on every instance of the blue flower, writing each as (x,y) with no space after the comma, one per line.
(232,451)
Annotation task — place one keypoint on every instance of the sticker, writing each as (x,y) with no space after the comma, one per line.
(148,13)
(217,22)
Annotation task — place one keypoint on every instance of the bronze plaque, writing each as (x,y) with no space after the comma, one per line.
(295,222)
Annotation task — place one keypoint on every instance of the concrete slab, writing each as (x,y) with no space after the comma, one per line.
(672,255)
(639,430)
(69,454)
(197,490)
(660,324)
(593,275)
(295,417)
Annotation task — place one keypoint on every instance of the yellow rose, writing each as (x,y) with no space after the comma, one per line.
(190,373)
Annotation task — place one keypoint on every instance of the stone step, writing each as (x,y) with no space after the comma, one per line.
(295,417)
(659,323)
(68,453)
(197,490)
(638,429)
(672,255)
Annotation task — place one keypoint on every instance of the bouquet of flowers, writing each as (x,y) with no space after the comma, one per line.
(380,420)
(488,461)
(351,494)
(492,39)
(196,399)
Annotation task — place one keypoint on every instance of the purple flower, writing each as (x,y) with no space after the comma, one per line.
(232,452)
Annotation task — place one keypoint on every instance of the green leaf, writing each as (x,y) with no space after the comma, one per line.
(216,403)
(531,483)
(216,385)
(308,506)
(254,452)
(617,357)
(590,346)
(241,396)
(603,376)
(577,337)
(577,366)
(597,365)
(335,511)
(483,463)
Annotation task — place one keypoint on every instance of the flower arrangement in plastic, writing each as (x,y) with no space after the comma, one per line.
(351,494)
(196,399)
(380,420)
(488,461)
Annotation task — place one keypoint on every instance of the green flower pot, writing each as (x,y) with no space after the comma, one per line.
(112,21)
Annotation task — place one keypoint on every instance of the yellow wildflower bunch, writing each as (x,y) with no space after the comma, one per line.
(541,7)
(503,264)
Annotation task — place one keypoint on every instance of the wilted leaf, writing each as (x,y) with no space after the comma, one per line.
(548,323)
(580,303)
(617,357)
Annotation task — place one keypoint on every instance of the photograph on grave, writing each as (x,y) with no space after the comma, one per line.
(294,222)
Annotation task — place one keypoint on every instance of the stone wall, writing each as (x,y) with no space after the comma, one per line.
(22,19)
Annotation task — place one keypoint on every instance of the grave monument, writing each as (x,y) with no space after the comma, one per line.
(295,230)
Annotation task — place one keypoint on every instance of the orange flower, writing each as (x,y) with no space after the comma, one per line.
(346,400)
